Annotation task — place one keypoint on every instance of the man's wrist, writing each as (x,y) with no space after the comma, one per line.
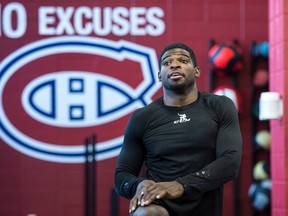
(184,185)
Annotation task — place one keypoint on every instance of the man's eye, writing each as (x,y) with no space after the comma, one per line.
(184,61)
(166,63)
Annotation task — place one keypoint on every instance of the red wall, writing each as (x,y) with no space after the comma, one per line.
(278,83)
(35,185)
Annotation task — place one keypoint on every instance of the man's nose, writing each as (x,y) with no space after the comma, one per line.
(174,64)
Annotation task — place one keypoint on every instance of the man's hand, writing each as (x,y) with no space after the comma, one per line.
(148,191)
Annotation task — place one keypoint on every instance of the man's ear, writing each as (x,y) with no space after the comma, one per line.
(197,72)
(159,77)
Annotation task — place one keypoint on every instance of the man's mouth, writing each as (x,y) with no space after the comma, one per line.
(176,75)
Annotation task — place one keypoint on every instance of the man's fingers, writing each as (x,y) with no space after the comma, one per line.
(161,194)
(133,204)
(135,201)
(149,191)
(152,195)
(140,197)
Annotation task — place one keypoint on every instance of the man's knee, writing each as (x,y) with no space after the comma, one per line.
(151,210)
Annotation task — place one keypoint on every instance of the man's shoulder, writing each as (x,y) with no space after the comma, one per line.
(207,96)
(213,97)
(149,108)
(216,102)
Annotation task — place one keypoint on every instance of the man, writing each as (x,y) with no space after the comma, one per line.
(189,141)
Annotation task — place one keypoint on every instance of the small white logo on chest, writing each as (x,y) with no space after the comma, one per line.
(183,118)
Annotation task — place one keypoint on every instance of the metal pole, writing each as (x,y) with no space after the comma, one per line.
(94,177)
(86,178)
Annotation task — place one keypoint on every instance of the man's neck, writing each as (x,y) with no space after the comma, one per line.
(179,100)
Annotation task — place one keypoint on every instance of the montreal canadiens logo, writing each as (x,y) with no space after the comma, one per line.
(56,91)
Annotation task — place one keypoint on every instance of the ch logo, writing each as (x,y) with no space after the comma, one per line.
(64,100)
(183,118)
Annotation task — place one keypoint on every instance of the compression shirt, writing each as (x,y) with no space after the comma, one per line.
(198,145)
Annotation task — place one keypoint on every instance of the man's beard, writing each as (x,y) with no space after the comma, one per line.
(178,86)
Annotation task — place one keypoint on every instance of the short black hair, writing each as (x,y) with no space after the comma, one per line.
(181,46)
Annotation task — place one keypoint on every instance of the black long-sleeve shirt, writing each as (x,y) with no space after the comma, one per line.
(198,145)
